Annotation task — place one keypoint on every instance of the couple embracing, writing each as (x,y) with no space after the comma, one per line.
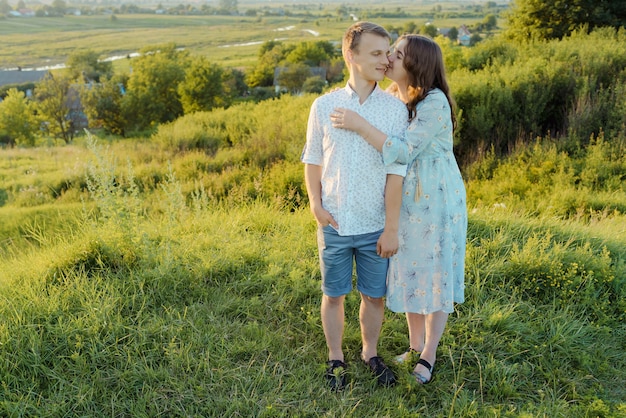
(388,197)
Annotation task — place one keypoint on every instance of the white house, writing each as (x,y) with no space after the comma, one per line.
(464,35)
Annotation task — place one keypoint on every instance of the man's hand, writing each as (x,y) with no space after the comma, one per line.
(313,181)
(323,217)
(387,245)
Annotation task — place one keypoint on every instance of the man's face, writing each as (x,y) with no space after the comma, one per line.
(370,61)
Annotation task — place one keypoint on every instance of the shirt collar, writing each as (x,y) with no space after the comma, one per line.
(353,94)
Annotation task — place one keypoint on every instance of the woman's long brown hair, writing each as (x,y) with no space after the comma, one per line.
(424,64)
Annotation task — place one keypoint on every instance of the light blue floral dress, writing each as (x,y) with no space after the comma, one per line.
(427,273)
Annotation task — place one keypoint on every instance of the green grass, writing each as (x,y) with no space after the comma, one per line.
(161,299)
(178,275)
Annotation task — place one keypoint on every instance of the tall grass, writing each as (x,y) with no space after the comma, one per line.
(165,300)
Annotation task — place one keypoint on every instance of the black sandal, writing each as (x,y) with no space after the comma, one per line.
(421,379)
(336,374)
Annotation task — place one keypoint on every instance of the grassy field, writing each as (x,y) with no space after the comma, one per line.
(128,289)
(177,275)
(230,40)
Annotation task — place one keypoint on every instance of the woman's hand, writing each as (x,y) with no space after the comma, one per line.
(350,120)
(347,119)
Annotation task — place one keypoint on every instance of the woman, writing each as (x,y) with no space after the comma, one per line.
(426,276)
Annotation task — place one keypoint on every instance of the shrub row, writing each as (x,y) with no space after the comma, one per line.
(506,93)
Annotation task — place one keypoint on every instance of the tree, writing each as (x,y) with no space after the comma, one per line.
(86,66)
(152,96)
(475,38)
(452,53)
(392,30)
(409,27)
(538,19)
(490,22)
(203,86)
(228,6)
(314,84)
(312,54)
(274,54)
(429,30)
(293,77)
(267,46)
(18,124)
(54,104)
(335,70)
(102,103)
(59,7)
(271,54)
(235,83)
(5,7)
(453,34)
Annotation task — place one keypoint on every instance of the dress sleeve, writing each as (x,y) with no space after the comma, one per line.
(395,150)
(432,118)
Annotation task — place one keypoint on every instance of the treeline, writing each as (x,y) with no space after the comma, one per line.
(164,83)
(506,92)
(438,12)
(570,90)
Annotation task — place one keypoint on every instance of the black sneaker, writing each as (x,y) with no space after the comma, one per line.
(336,374)
(383,373)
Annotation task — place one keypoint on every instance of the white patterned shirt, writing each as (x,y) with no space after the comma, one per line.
(353,172)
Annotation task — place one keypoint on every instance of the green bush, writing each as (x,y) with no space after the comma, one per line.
(542,179)
(508,93)
(492,52)
(194,131)
(565,274)
(604,165)
(597,111)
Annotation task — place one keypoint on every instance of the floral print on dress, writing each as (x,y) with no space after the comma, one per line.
(427,273)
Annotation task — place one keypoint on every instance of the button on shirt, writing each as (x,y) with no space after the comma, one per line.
(353,172)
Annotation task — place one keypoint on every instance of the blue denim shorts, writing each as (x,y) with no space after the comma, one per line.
(337,257)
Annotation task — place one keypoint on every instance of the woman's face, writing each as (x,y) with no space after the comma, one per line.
(395,69)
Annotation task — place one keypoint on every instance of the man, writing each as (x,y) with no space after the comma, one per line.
(355,198)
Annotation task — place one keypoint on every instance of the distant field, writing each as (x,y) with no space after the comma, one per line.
(230,40)
(51,41)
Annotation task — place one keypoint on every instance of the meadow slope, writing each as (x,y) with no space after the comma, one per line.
(120,298)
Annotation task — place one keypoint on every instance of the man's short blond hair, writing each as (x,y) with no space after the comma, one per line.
(352,37)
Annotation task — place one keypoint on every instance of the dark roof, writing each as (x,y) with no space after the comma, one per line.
(19,77)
